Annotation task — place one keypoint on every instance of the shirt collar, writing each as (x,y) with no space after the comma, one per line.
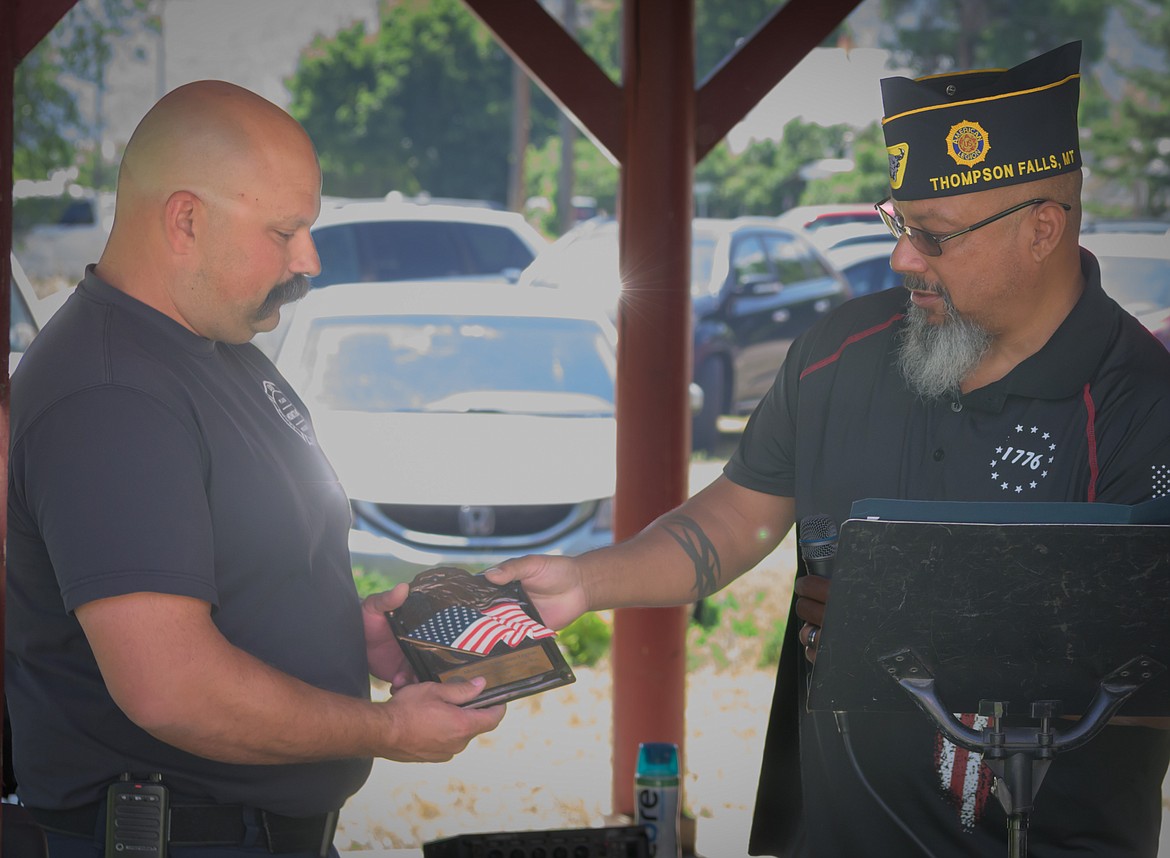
(184,337)
(1068,360)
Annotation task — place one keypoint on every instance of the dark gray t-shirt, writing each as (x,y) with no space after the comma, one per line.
(146,458)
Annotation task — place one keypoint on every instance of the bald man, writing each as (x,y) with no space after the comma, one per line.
(180,598)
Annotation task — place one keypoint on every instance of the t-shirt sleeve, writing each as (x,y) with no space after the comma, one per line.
(114,482)
(1134,453)
(765,459)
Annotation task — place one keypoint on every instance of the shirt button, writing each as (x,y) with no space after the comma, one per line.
(939,454)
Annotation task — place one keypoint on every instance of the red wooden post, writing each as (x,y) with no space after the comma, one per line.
(654,362)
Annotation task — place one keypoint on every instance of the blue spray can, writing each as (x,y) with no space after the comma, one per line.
(656,797)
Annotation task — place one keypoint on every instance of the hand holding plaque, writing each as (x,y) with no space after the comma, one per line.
(455,625)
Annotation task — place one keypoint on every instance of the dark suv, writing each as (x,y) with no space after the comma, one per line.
(754,287)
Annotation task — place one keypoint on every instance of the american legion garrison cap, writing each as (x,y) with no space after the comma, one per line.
(969,131)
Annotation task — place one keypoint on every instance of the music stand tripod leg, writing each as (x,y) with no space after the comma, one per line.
(1019,771)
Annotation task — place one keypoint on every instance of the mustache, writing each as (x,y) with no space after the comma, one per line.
(293,289)
(918,283)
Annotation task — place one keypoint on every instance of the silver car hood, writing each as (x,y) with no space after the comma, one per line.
(475,459)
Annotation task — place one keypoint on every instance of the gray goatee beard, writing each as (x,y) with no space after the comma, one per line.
(935,358)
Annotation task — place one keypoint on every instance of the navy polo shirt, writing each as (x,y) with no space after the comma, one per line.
(147,458)
(1087,418)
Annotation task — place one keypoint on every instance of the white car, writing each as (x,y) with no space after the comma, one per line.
(55,254)
(866,264)
(393,240)
(1135,272)
(838,235)
(468,422)
(28,311)
(755,287)
(813,219)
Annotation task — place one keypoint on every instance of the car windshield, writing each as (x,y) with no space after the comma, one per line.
(1139,284)
(461,363)
(415,250)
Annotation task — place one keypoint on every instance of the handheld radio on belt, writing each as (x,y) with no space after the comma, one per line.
(136,818)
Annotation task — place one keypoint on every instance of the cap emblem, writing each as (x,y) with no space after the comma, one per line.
(967,143)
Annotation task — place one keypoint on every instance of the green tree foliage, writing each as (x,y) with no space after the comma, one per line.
(423,105)
(600,35)
(1125,137)
(50,133)
(595,176)
(88,36)
(868,181)
(719,27)
(933,36)
(764,179)
(46,120)
(767,177)
(1130,139)
(586,640)
(89,32)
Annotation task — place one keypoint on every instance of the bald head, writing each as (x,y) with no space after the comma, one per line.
(212,137)
(216,194)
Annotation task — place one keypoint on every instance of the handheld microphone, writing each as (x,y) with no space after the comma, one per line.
(817,537)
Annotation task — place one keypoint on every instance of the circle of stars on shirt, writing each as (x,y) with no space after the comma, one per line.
(1022,462)
(1160,479)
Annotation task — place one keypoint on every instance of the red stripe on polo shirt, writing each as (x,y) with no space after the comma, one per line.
(849,341)
(1091,438)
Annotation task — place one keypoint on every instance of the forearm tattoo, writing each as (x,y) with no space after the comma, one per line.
(686,532)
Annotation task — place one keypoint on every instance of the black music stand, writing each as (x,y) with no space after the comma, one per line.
(1036,619)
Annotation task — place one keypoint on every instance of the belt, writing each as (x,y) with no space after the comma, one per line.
(213,825)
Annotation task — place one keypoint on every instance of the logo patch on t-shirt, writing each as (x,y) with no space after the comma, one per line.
(1023,460)
(289,413)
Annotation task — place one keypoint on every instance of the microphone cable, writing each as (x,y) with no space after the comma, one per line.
(817,539)
(843,729)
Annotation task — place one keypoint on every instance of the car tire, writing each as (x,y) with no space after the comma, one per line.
(704,426)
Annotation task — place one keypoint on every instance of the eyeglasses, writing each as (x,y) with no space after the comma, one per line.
(930,244)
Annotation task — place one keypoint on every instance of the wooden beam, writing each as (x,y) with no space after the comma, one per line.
(8,61)
(739,83)
(31,21)
(555,60)
(654,364)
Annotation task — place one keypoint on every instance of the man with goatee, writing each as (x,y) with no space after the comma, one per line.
(1004,341)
